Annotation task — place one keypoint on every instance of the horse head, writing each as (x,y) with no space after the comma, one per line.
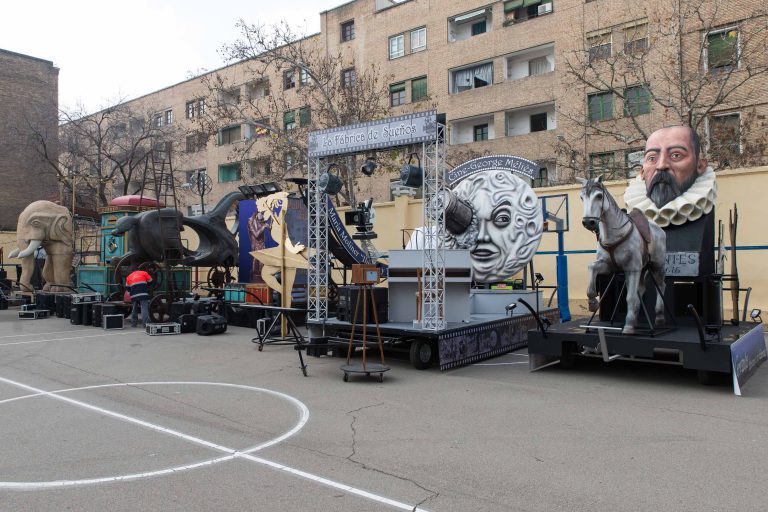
(593,196)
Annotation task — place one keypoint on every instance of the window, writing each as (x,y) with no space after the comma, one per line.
(600,106)
(120,130)
(479,28)
(723,49)
(289,120)
(303,77)
(396,46)
(473,78)
(469,25)
(289,161)
(348,77)
(539,66)
(419,89)
(305,116)
(229,135)
(516,11)
(637,100)
(418,39)
(636,38)
(201,106)
(539,122)
(724,136)
(229,172)
(543,179)
(260,167)
(397,94)
(289,79)
(193,177)
(190,109)
(157,121)
(348,30)
(136,125)
(602,164)
(599,46)
(195,142)
(169,117)
(480,132)
(633,161)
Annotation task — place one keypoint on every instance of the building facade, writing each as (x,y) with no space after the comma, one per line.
(574,85)
(28,118)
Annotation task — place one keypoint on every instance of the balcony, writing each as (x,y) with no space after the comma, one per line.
(539,118)
(476,129)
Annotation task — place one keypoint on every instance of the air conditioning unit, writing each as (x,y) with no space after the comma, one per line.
(545,8)
(195,209)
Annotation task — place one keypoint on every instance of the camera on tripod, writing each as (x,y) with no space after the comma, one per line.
(362,218)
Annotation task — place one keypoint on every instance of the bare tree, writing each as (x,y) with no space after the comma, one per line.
(105,149)
(685,59)
(285,86)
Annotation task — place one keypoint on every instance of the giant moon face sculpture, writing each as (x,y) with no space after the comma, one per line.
(506,225)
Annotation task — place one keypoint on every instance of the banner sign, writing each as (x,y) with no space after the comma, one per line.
(514,164)
(747,353)
(346,241)
(682,264)
(385,133)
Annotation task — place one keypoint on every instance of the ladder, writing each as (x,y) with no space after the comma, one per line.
(159,178)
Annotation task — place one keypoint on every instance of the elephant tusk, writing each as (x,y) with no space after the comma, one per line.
(32,247)
(14,253)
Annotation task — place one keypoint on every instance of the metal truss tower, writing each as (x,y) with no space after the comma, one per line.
(433,216)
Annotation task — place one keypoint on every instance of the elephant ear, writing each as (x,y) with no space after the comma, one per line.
(61,228)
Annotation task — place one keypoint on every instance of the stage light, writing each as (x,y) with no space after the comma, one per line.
(329,183)
(755,315)
(412,175)
(369,166)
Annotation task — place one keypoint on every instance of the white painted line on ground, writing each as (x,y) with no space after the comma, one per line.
(44,333)
(231,453)
(64,339)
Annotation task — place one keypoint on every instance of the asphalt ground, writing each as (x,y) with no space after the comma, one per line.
(94,420)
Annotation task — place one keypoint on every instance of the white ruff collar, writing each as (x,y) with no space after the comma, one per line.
(695,202)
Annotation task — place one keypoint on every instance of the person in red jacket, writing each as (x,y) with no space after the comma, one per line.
(138,287)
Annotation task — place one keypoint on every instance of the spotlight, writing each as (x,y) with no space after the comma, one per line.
(369,166)
(329,183)
(755,315)
(539,278)
(412,175)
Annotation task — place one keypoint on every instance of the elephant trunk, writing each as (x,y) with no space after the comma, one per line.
(32,247)
(14,253)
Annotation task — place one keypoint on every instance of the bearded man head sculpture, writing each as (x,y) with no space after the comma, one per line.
(506,224)
(675,185)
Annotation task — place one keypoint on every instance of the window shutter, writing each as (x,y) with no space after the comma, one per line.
(304,116)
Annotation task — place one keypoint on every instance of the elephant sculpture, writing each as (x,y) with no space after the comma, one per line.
(47,225)
(154,235)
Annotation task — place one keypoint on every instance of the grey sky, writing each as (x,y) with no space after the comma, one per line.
(107,49)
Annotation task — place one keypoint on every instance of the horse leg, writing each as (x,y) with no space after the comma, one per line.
(657,273)
(633,302)
(594,269)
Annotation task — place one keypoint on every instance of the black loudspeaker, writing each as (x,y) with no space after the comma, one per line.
(348,296)
(46,300)
(3,302)
(188,322)
(3,274)
(76,315)
(177,309)
(87,313)
(63,304)
(98,310)
(210,324)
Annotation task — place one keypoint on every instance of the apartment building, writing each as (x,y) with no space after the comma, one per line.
(570,84)
(28,115)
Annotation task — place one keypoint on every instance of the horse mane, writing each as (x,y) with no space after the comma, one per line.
(593,184)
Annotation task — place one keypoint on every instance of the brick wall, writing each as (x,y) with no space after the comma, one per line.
(28,104)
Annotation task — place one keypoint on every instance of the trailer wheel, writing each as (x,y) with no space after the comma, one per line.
(421,354)
(568,355)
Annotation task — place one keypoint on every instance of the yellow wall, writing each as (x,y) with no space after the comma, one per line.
(741,186)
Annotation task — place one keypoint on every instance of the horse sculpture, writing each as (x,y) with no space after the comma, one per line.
(628,243)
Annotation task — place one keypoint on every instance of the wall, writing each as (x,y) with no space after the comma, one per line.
(28,107)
